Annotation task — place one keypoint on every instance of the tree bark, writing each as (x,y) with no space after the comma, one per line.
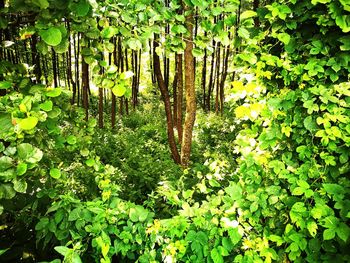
(179,100)
(190,93)
(166,99)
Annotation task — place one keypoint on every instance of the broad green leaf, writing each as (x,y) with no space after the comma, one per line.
(53,92)
(76,258)
(247,14)
(71,139)
(108,32)
(5,84)
(126,74)
(107,83)
(90,162)
(284,37)
(81,8)
(197,52)
(312,227)
(62,250)
(46,106)
(5,123)
(216,256)
(328,234)
(310,124)
(7,191)
(43,4)
(134,44)
(55,173)
(179,29)
(5,163)
(28,153)
(2,251)
(343,232)
(20,186)
(234,235)
(202,4)
(28,123)
(119,90)
(243,33)
(51,36)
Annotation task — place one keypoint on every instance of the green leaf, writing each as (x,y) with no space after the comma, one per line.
(55,173)
(119,90)
(216,256)
(312,227)
(5,123)
(310,124)
(62,250)
(197,52)
(51,36)
(21,169)
(28,123)
(234,191)
(81,8)
(28,153)
(234,235)
(53,92)
(5,84)
(2,251)
(247,14)
(90,162)
(46,106)
(343,232)
(76,258)
(134,44)
(138,214)
(71,139)
(179,29)
(243,33)
(5,163)
(20,186)
(284,37)
(7,191)
(43,4)
(126,75)
(108,32)
(329,234)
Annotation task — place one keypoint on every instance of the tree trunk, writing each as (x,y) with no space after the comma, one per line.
(179,100)
(85,87)
(190,94)
(166,99)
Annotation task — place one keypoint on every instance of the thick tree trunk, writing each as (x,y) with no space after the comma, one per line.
(166,99)
(190,94)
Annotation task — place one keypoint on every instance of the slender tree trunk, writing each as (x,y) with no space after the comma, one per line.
(116,62)
(211,77)
(54,68)
(127,69)
(77,72)
(166,99)
(204,76)
(190,93)
(175,93)
(255,8)
(179,100)
(85,87)
(36,58)
(218,64)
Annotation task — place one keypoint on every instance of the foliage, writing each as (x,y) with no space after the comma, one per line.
(269,180)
